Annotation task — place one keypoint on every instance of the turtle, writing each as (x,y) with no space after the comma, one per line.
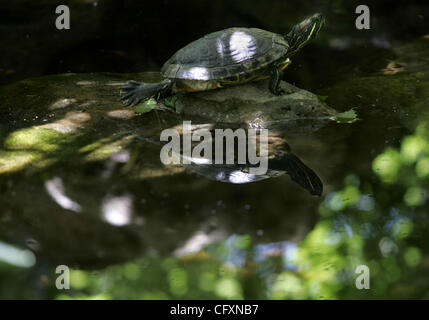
(224,58)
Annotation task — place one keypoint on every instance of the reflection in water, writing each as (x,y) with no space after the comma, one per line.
(15,256)
(130,203)
(117,210)
(216,251)
(55,188)
(280,161)
(377,222)
(238,174)
(198,242)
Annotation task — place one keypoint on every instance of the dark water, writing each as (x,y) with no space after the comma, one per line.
(130,227)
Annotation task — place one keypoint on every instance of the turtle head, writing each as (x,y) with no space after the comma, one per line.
(304,32)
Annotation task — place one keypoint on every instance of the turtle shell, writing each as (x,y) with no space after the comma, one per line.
(227,53)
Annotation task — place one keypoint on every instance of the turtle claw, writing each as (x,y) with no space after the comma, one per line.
(130,85)
(125,96)
(131,101)
(136,100)
(132,93)
(127,103)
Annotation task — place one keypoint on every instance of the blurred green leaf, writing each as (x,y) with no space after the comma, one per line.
(322,98)
(349,116)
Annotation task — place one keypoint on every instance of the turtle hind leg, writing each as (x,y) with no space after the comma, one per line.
(134,92)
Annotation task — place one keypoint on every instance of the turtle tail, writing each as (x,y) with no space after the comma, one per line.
(134,92)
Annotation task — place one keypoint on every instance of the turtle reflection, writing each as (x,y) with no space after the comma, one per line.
(281,160)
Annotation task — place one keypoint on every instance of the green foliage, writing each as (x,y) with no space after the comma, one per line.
(146,106)
(322,98)
(348,116)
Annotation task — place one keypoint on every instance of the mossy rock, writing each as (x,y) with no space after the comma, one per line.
(253,104)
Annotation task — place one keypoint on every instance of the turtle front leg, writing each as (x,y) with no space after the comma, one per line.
(134,92)
(276,77)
